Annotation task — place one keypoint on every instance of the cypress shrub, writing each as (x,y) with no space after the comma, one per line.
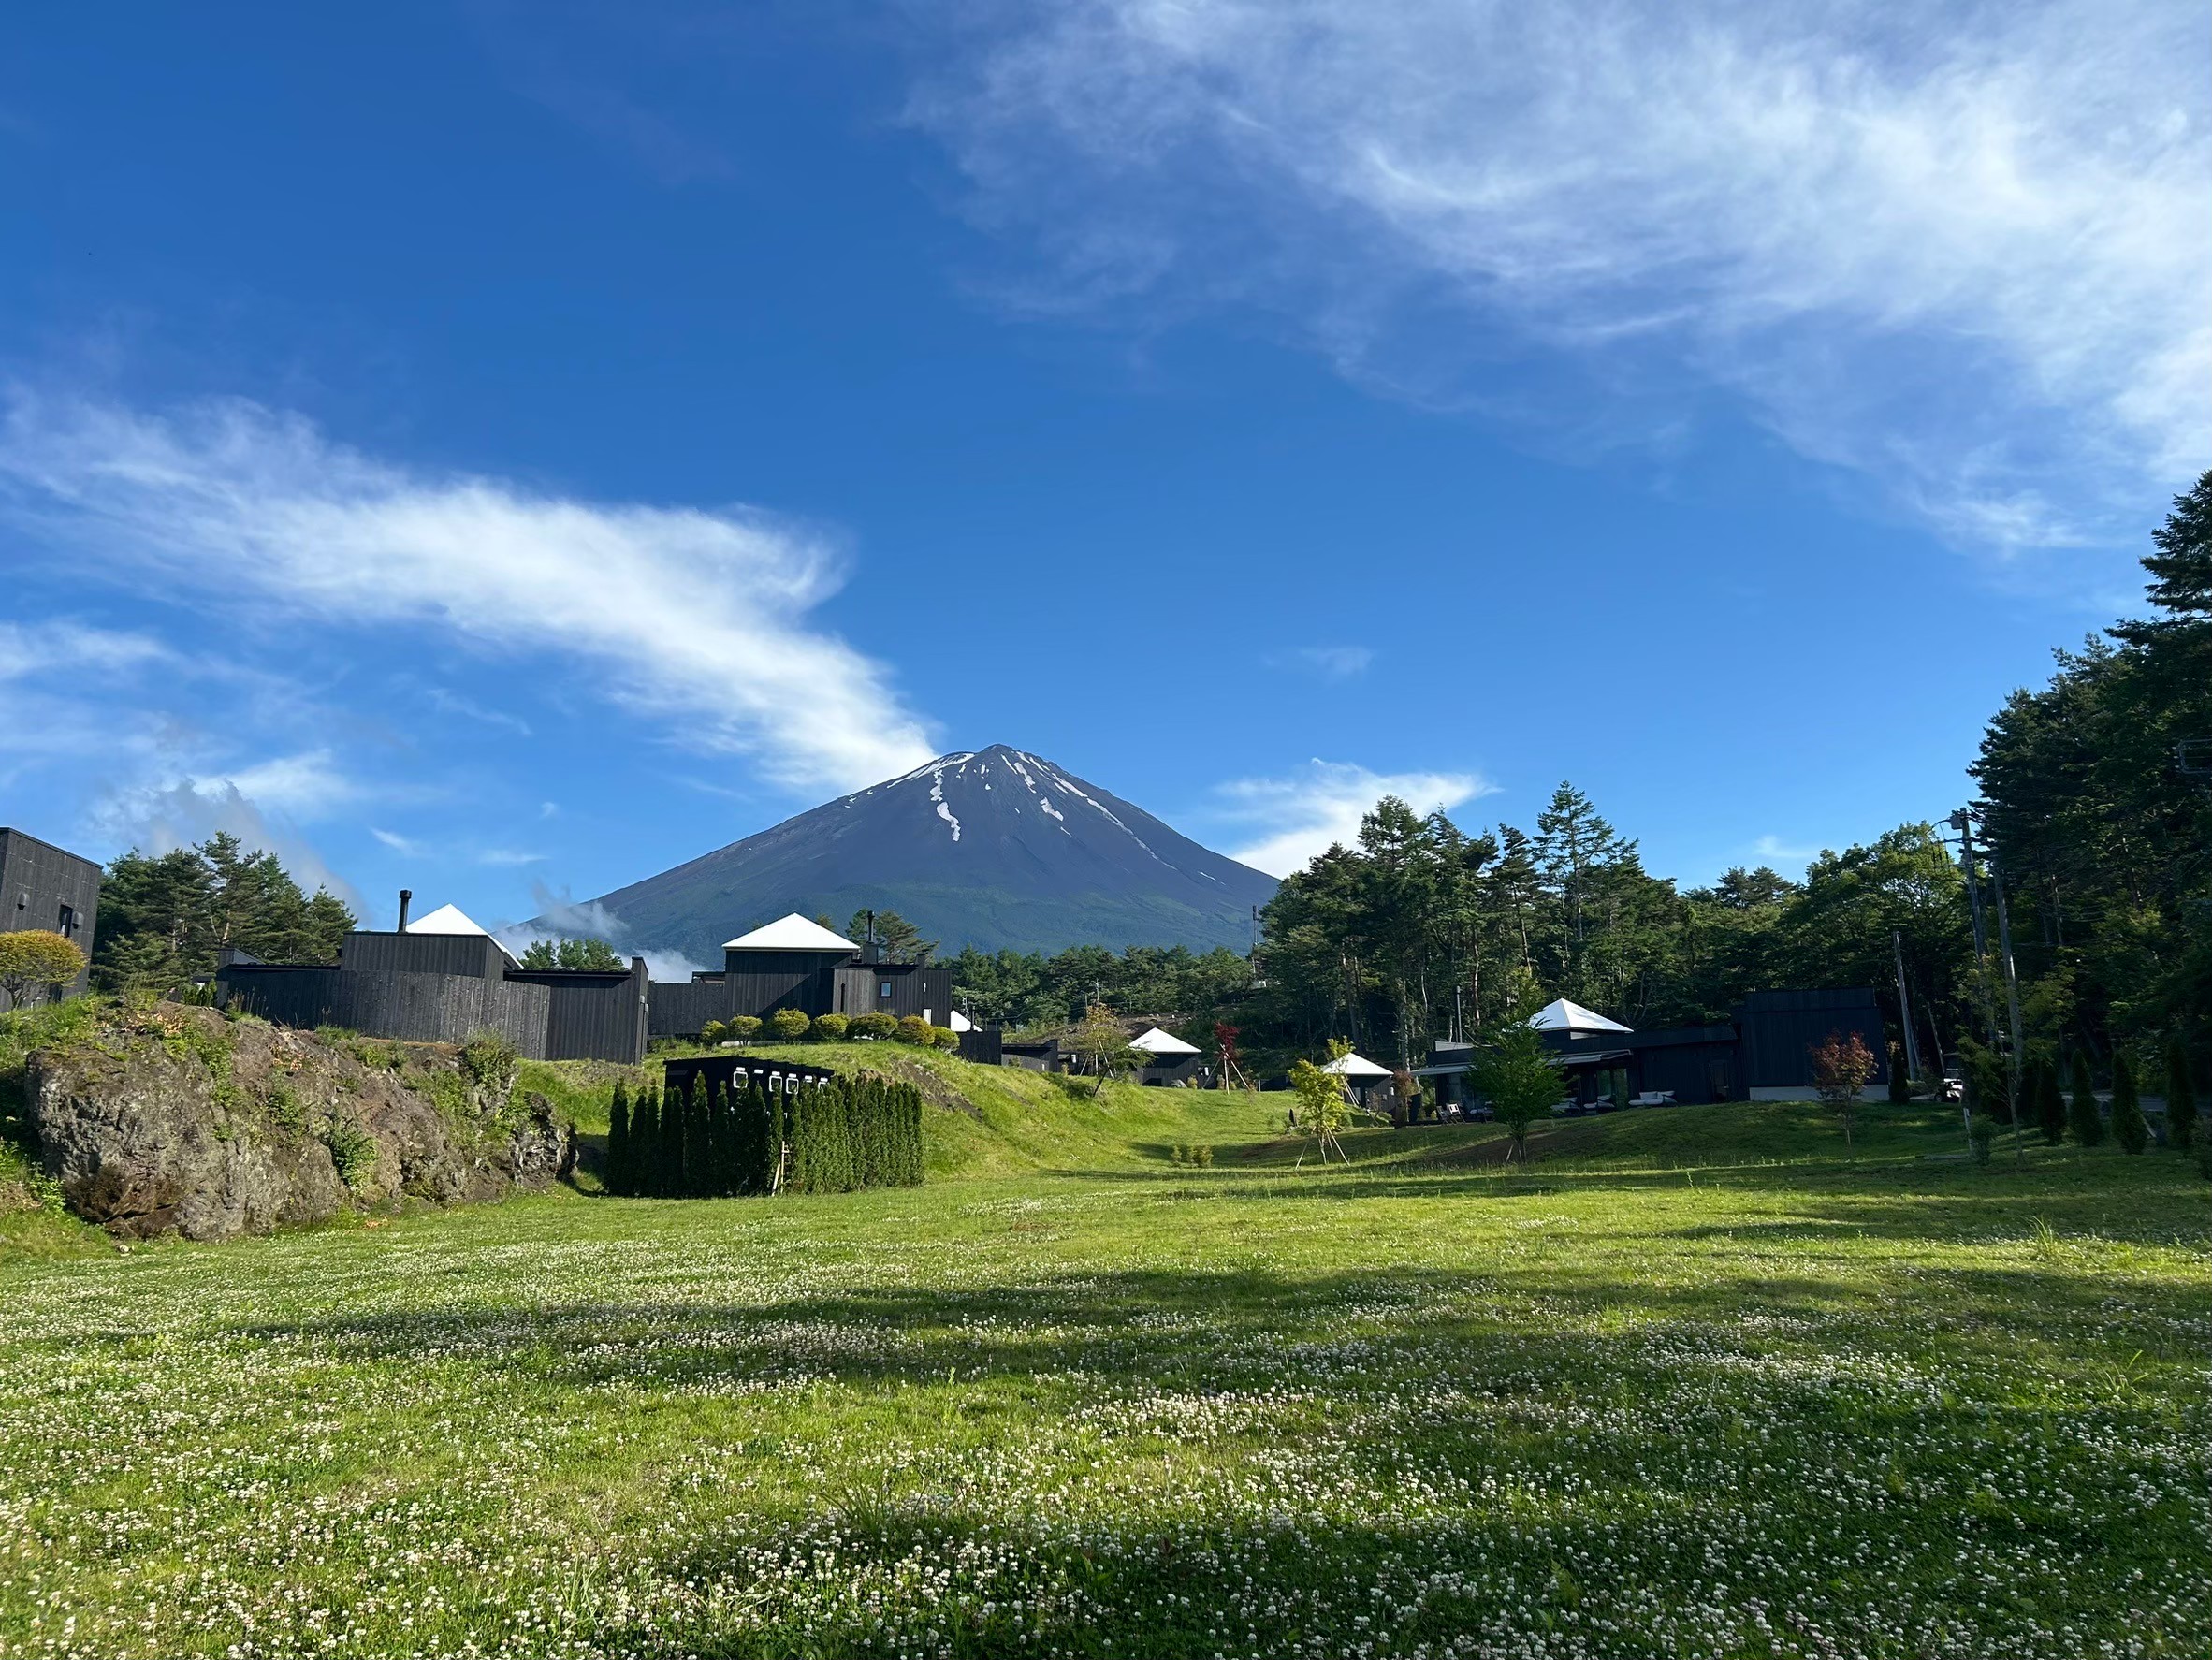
(2049,1101)
(2181,1098)
(729,1176)
(763,1141)
(830,1029)
(2129,1127)
(742,1028)
(645,1144)
(787,1026)
(698,1124)
(675,1105)
(1989,1091)
(2083,1118)
(1900,1082)
(616,1174)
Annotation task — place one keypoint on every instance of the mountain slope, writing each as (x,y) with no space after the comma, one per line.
(993,848)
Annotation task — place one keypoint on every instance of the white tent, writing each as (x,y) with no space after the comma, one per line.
(790,933)
(959,1022)
(1164,1045)
(451,919)
(1573,1019)
(1356,1068)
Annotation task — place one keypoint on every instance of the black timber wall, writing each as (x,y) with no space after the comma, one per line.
(474,954)
(983,1045)
(417,1008)
(1698,1063)
(759,982)
(916,988)
(593,1015)
(1781,1029)
(37,881)
(680,1009)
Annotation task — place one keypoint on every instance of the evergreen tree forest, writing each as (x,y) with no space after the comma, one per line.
(163,918)
(708,1139)
(2095,810)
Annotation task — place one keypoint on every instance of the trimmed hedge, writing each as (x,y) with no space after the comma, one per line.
(710,1141)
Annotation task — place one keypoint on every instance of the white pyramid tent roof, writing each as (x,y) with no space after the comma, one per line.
(447,919)
(451,919)
(1158,1042)
(1355,1065)
(790,933)
(1566,1016)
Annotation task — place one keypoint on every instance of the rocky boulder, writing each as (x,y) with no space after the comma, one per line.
(174,1119)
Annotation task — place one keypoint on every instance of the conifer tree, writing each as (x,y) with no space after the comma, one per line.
(617,1143)
(644,1144)
(2084,1119)
(2049,1101)
(675,1105)
(698,1149)
(2129,1127)
(2182,1128)
(1901,1082)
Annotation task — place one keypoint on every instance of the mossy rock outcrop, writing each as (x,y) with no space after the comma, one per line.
(164,1118)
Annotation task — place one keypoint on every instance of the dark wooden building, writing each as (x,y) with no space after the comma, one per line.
(443,981)
(1763,1051)
(46,887)
(796,964)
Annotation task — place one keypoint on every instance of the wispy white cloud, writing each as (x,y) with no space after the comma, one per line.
(1964,249)
(509,856)
(156,818)
(1300,815)
(305,786)
(697,619)
(1772,849)
(452,703)
(398,843)
(1331,663)
(560,917)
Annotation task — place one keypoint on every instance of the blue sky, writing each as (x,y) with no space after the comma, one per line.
(508,451)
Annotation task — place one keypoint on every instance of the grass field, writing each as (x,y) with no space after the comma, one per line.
(1701,1383)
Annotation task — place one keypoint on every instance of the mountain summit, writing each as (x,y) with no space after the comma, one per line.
(991,848)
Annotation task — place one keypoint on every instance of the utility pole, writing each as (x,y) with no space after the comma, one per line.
(1904,1007)
(1965,826)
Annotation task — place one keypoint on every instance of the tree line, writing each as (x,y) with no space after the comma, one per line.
(702,1138)
(2095,815)
(164,918)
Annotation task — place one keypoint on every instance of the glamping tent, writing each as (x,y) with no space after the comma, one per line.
(1168,1059)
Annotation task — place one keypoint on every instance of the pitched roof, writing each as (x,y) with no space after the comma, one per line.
(1155,1041)
(1355,1065)
(451,919)
(447,919)
(790,933)
(1566,1016)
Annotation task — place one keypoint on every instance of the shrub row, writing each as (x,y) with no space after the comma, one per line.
(708,1140)
(788,1025)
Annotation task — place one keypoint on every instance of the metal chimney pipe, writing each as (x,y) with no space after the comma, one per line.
(406,895)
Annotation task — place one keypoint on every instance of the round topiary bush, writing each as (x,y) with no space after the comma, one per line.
(872,1025)
(829,1027)
(714,1031)
(944,1036)
(742,1028)
(788,1024)
(912,1028)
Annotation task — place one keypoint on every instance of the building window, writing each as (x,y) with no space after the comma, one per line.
(67,925)
(885,989)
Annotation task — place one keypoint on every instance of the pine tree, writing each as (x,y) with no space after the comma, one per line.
(2084,1119)
(617,1143)
(2129,1127)
(1900,1082)
(644,1144)
(2182,1128)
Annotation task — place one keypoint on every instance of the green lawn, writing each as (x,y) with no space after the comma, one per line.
(1701,1383)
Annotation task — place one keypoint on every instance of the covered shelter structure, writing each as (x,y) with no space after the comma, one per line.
(1166,1058)
(1762,1052)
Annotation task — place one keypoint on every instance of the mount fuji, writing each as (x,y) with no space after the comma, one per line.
(992,848)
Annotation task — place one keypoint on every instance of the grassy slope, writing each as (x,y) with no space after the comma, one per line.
(1703,1381)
